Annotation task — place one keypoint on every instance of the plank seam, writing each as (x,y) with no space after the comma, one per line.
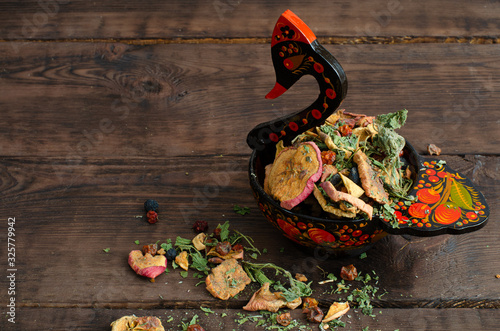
(332,40)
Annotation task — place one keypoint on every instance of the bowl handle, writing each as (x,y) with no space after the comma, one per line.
(446,203)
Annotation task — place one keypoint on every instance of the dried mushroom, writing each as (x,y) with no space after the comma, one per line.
(147,265)
(134,323)
(293,174)
(264,299)
(227,279)
(336,310)
(182,260)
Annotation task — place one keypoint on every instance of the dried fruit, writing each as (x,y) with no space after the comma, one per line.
(293,174)
(152,216)
(200,226)
(336,310)
(309,302)
(134,323)
(171,254)
(348,272)
(182,260)
(199,241)
(264,299)
(195,327)
(227,279)
(433,149)
(284,319)
(314,314)
(147,265)
(151,204)
(151,249)
(301,277)
(223,248)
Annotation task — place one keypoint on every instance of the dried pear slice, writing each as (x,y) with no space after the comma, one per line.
(293,174)
(336,310)
(352,188)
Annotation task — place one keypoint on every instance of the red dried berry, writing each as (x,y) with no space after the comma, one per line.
(200,226)
(195,327)
(152,216)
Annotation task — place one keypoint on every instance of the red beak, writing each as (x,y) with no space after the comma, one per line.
(277,90)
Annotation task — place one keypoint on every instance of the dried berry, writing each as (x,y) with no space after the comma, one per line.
(217,232)
(151,249)
(348,272)
(171,254)
(200,226)
(151,204)
(152,216)
(223,248)
(314,314)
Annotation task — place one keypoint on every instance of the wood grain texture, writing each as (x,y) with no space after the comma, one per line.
(60,319)
(78,100)
(66,216)
(58,19)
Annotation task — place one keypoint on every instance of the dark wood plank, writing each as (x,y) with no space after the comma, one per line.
(66,216)
(79,100)
(73,319)
(57,19)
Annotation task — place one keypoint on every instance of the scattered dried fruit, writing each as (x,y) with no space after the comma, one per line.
(284,319)
(195,327)
(147,265)
(199,241)
(182,260)
(497,276)
(134,323)
(309,302)
(264,299)
(301,277)
(151,204)
(171,254)
(152,216)
(151,249)
(313,314)
(433,150)
(336,310)
(348,272)
(227,279)
(223,248)
(200,226)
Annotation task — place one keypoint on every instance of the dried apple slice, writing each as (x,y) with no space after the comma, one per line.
(227,280)
(293,174)
(264,299)
(132,322)
(147,265)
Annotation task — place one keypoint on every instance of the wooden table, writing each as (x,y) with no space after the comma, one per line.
(107,104)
